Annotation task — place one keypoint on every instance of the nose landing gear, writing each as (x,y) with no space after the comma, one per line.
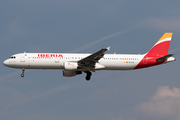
(22,75)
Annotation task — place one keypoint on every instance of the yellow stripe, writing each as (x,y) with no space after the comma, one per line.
(166,35)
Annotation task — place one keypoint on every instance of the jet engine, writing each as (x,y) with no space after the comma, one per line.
(67,73)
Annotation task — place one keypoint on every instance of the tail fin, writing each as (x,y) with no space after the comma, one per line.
(162,46)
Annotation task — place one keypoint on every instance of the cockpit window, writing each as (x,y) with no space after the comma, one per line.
(12,57)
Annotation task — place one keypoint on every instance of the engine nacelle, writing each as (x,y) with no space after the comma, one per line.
(70,66)
(67,73)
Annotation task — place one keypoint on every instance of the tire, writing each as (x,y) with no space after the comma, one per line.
(88,78)
(89,74)
(22,75)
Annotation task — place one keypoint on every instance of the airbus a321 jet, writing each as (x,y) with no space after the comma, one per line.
(75,64)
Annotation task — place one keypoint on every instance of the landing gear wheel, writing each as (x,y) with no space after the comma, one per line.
(22,75)
(89,74)
(88,77)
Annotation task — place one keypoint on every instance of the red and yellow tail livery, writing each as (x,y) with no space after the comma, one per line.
(158,53)
(162,46)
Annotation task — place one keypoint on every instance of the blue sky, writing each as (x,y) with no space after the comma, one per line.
(87,26)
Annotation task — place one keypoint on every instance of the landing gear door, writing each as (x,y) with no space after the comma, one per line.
(22,58)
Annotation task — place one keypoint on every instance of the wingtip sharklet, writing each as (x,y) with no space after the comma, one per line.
(108,48)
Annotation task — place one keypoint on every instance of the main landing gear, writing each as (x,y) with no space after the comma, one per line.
(22,75)
(88,77)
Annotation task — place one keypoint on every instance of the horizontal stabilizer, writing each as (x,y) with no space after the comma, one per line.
(164,57)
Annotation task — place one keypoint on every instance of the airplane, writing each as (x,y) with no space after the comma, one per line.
(74,64)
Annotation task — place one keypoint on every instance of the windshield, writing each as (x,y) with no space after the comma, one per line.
(12,57)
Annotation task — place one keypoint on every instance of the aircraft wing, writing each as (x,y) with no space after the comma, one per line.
(90,60)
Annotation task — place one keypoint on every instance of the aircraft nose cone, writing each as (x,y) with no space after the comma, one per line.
(5,62)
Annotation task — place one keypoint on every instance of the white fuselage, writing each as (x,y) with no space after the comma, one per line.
(57,60)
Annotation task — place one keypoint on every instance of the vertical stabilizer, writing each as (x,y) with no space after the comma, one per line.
(162,46)
(158,53)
